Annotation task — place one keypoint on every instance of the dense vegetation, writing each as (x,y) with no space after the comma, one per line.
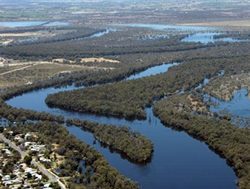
(129,98)
(126,99)
(122,42)
(65,48)
(98,174)
(133,145)
(227,140)
(7,168)
(22,115)
(128,66)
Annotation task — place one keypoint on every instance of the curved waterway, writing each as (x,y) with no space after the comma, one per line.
(178,162)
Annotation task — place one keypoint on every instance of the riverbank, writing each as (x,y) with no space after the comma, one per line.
(96,172)
(129,98)
(230,142)
(123,140)
(162,138)
(155,175)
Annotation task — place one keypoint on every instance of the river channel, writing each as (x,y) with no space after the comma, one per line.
(178,162)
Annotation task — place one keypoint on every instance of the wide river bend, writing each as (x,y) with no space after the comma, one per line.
(178,162)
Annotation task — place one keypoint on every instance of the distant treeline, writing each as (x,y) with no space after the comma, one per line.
(63,46)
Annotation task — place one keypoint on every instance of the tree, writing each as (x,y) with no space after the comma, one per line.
(28,160)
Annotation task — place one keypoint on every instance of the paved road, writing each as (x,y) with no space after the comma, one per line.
(13,146)
(51,176)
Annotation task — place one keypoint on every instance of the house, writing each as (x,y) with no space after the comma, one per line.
(7,152)
(44,160)
(6,178)
(29,136)
(37,148)
(27,144)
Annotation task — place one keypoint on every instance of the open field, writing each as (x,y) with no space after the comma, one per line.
(43,34)
(231,23)
(129,11)
(28,72)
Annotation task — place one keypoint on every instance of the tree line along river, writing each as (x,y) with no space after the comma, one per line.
(178,161)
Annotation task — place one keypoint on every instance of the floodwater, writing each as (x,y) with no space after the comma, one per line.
(208,37)
(238,108)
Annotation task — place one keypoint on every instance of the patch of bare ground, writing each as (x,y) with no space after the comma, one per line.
(230,23)
(187,103)
(85,60)
(99,60)
(24,73)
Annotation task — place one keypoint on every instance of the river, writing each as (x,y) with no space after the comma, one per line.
(178,161)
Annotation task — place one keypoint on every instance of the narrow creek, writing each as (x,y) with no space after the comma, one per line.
(179,161)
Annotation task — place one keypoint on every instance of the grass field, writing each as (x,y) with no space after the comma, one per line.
(27,73)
